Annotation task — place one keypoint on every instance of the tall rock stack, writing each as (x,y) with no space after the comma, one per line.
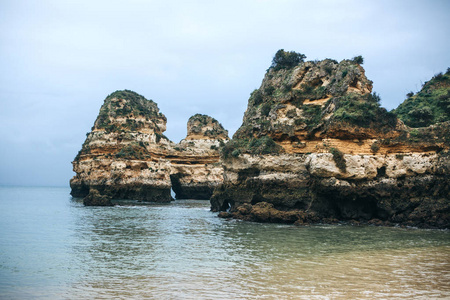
(123,156)
(127,156)
(315,145)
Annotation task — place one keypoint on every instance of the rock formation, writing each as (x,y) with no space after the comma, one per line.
(127,156)
(196,170)
(315,145)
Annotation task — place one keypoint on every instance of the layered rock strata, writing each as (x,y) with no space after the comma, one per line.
(196,170)
(315,145)
(127,156)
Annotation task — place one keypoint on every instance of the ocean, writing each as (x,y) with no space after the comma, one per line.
(53,247)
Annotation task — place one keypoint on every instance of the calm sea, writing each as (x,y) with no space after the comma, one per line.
(52,247)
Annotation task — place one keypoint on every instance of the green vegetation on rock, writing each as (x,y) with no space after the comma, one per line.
(198,122)
(286,59)
(256,146)
(311,115)
(133,151)
(364,111)
(339,159)
(343,91)
(358,60)
(126,104)
(429,106)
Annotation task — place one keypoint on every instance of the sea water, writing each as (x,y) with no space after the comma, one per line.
(53,247)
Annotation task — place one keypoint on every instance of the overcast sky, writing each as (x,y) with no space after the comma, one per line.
(60,59)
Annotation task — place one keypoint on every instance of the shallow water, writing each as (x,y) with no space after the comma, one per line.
(52,247)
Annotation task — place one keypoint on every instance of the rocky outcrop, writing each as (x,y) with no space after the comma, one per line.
(127,156)
(315,145)
(124,154)
(196,170)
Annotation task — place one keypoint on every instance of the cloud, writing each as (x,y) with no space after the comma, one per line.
(60,59)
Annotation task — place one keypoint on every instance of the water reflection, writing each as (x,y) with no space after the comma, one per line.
(184,251)
(154,246)
(53,248)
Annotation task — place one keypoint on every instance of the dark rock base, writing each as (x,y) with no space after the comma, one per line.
(124,192)
(264,212)
(79,190)
(94,198)
(421,201)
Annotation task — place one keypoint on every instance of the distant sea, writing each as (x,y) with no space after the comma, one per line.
(52,247)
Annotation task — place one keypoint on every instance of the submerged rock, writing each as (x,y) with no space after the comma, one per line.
(94,198)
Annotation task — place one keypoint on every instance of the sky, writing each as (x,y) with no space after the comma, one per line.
(60,59)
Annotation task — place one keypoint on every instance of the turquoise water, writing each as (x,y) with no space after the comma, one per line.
(52,247)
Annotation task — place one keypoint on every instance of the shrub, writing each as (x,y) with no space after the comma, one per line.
(286,88)
(312,114)
(439,77)
(444,102)
(328,69)
(298,122)
(263,145)
(375,147)
(363,113)
(307,89)
(339,159)
(265,109)
(286,59)
(421,116)
(257,97)
(160,136)
(269,90)
(410,94)
(430,105)
(414,133)
(358,60)
(231,146)
(131,152)
(374,97)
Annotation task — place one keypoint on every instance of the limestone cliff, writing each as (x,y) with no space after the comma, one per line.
(123,155)
(316,145)
(127,156)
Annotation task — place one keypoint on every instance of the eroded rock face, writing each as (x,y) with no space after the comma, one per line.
(203,127)
(401,189)
(127,156)
(315,141)
(124,154)
(196,170)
